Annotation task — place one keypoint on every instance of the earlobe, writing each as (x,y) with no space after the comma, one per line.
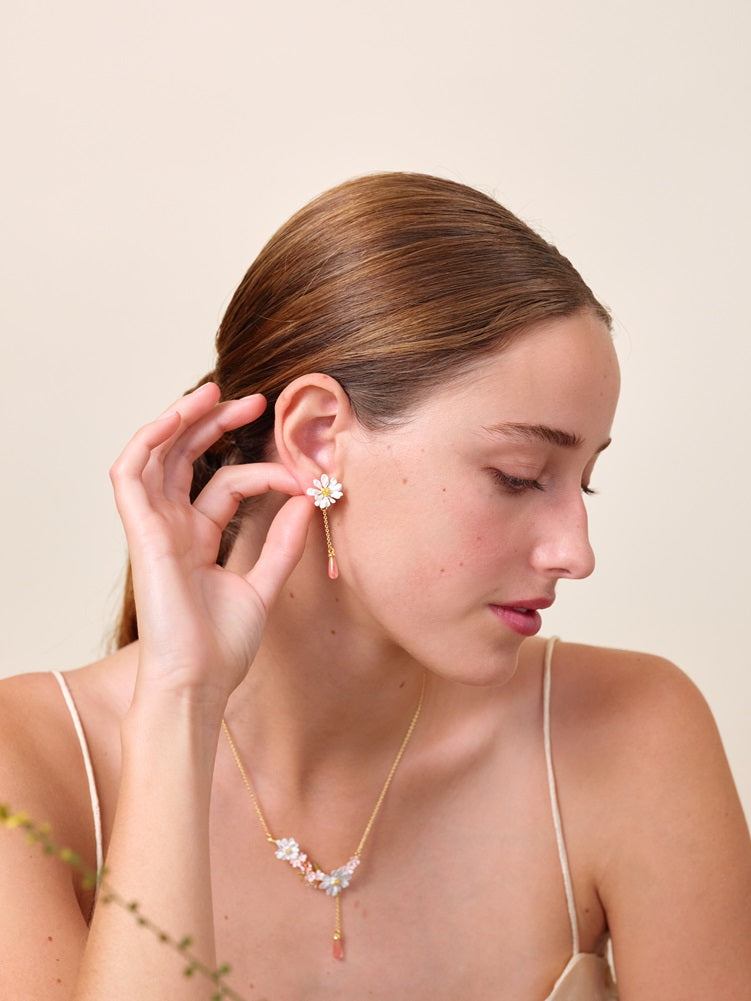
(310,416)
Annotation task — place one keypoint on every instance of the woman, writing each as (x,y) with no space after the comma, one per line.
(412,795)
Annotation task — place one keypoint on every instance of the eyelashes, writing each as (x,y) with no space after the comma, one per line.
(518,485)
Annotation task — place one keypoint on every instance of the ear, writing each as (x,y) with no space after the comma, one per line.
(311,416)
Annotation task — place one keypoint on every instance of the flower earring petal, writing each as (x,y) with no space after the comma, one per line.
(325,492)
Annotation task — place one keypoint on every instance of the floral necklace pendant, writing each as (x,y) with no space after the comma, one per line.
(287,849)
(332,883)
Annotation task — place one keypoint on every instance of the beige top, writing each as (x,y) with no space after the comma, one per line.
(587,975)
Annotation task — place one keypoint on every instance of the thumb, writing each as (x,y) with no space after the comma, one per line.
(282,550)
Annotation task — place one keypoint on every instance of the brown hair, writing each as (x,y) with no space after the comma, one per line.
(391,284)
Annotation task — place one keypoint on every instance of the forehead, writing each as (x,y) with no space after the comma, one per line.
(563,373)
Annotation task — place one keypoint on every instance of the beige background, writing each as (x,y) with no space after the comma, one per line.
(150,149)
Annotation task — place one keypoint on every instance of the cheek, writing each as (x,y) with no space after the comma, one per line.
(486,538)
(421,546)
(409,532)
(487,545)
(403,538)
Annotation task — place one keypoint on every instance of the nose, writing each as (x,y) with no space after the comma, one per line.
(562,548)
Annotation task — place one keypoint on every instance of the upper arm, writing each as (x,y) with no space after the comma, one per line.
(676,880)
(42,929)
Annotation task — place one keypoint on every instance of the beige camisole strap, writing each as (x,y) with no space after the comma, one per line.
(587,976)
(554,805)
(93,794)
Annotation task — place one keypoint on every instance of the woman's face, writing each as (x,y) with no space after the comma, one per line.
(458,524)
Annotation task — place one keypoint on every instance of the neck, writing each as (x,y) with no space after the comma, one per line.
(317,707)
(325,693)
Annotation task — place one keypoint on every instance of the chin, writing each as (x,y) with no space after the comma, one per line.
(491,669)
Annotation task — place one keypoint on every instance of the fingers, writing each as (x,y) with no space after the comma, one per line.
(128,469)
(230,485)
(158,460)
(151,441)
(196,438)
(282,549)
(152,478)
(194,405)
(137,473)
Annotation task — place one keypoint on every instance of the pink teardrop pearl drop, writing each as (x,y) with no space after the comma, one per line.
(333,568)
(338,948)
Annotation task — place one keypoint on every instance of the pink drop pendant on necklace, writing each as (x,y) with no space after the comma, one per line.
(333,568)
(338,948)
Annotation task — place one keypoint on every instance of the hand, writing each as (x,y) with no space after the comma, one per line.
(200,625)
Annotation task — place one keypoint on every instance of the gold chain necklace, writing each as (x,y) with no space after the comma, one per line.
(288,850)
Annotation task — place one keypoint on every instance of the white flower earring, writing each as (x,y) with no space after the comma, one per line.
(325,493)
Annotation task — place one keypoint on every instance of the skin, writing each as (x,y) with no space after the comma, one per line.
(460,892)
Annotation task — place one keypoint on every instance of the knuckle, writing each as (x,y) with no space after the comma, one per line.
(222,475)
(116,471)
(227,480)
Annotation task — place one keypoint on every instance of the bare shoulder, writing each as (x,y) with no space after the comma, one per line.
(42,771)
(624,693)
(33,734)
(41,768)
(654,811)
(47,901)
(640,732)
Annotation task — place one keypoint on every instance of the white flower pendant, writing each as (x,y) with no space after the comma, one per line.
(332,883)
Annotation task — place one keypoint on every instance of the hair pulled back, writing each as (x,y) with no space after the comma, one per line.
(390,283)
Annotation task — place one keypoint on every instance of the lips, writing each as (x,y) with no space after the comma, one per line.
(532,605)
(522,616)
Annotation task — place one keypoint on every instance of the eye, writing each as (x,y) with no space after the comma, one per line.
(516,484)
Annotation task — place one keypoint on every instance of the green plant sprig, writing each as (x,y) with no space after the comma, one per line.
(41,834)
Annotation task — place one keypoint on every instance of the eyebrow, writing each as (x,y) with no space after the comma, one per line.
(539,432)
